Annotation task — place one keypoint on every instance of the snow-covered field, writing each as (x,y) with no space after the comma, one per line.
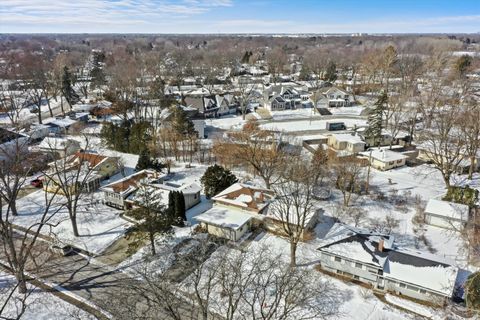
(40,305)
(313,125)
(99,225)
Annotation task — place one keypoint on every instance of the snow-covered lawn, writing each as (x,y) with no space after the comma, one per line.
(40,305)
(352,111)
(226,123)
(294,114)
(348,302)
(408,182)
(99,225)
(143,260)
(310,125)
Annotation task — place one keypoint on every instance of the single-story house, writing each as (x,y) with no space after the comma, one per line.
(446,214)
(60,147)
(116,192)
(160,189)
(240,206)
(11,143)
(82,170)
(383,159)
(374,259)
(224,222)
(350,143)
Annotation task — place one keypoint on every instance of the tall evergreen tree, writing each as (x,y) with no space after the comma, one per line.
(181,123)
(217,179)
(331,72)
(67,88)
(152,220)
(180,209)
(375,120)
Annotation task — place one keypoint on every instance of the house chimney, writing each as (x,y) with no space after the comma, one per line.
(380,245)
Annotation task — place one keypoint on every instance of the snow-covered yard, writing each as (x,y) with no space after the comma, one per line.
(40,305)
(310,125)
(99,225)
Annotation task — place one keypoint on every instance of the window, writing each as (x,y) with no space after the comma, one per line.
(380,272)
(358,265)
(338,259)
(391,163)
(402,285)
(412,288)
(399,161)
(356,277)
(339,272)
(423,291)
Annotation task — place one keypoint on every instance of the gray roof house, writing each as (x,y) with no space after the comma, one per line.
(374,259)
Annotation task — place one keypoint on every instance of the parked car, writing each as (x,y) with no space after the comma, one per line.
(64,250)
(37,183)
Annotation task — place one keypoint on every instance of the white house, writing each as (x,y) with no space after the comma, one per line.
(349,142)
(240,206)
(224,222)
(383,159)
(446,214)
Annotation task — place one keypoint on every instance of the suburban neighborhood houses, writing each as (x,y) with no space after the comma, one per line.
(238,175)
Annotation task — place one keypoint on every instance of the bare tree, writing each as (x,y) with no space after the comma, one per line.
(255,147)
(73,177)
(348,175)
(18,245)
(294,203)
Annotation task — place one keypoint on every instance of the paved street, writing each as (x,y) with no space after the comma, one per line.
(105,287)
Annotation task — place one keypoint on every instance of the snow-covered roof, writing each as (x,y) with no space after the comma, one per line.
(447,209)
(55,143)
(64,122)
(384,155)
(130,183)
(402,264)
(245,196)
(344,137)
(224,217)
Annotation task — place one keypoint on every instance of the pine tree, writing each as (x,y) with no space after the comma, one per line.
(181,123)
(375,120)
(152,220)
(331,72)
(143,160)
(180,209)
(472,290)
(67,89)
(217,179)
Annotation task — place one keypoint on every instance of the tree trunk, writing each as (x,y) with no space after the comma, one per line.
(74,226)
(472,167)
(293,254)
(22,283)
(49,107)
(152,243)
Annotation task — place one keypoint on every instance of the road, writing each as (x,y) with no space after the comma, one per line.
(106,287)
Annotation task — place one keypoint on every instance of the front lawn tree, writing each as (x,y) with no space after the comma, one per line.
(152,220)
(217,179)
(73,178)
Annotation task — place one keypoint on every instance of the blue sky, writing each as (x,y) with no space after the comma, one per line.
(239,16)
